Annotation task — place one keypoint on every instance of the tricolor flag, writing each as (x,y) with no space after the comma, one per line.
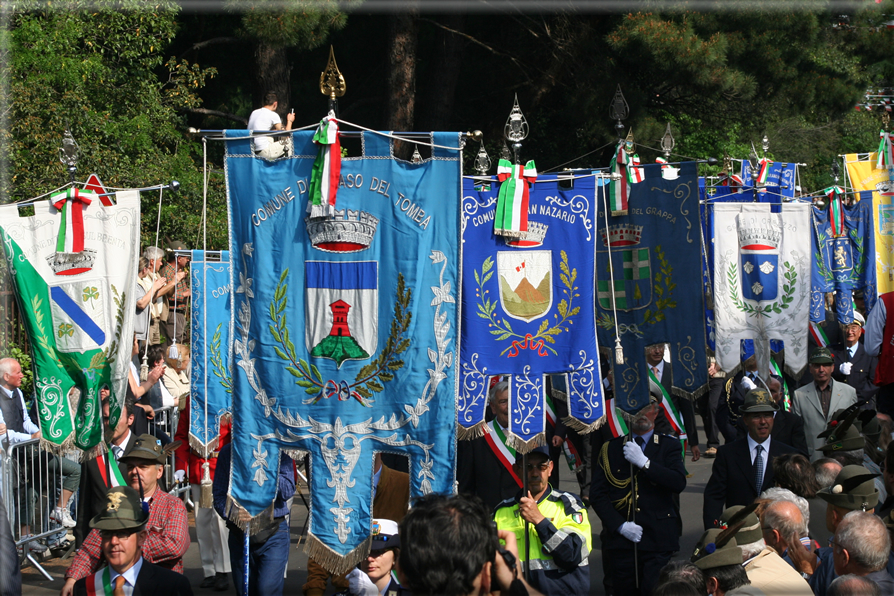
(616,420)
(818,335)
(326,170)
(764,170)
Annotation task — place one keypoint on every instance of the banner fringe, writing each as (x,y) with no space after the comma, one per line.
(235,513)
(582,428)
(471,433)
(556,394)
(94,452)
(58,448)
(521,446)
(330,560)
(690,395)
(195,443)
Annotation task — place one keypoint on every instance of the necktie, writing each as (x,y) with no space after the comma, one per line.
(758,468)
(655,371)
(119,586)
(639,441)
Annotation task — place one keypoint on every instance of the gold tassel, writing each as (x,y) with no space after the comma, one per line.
(206,500)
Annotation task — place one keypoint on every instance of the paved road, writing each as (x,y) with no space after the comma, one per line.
(690,503)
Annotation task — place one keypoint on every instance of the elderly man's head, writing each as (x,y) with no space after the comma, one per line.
(826,470)
(498,397)
(11,373)
(861,545)
(782,525)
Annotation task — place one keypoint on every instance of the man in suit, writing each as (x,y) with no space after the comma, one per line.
(744,467)
(484,465)
(98,473)
(788,428)
(634,483)
(854,365)
(664,374)
(122,527)
(817,402)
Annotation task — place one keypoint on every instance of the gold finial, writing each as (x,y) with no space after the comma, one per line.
(630,142)
(886,119)
(332,83)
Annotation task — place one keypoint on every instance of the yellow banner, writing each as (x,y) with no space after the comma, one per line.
(865,176)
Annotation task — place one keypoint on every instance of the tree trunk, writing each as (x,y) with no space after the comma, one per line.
(401,103)
(437,108)
(272,73)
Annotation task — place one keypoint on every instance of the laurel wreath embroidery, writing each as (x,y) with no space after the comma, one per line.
(371,377)
(545,332)
(821,268)
(777,306)
(859,261)
(217,362)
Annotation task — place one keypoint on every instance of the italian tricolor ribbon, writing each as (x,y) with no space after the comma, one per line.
(100,583)
(764,170)
(616,422)
(326,172)
(669,410)
(511,218)
(818,335)
(732,181)
(623,174)
(496,440)
(836,213)
(575,463)
(786,399)
(71,203)
(885,152)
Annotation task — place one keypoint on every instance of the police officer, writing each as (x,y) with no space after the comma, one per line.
(558,529)
(122,528)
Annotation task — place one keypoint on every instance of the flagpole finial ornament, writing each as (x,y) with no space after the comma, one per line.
(332,83)
(630,143)
(68,153)
(482,160)
(476,135)
(504,152)
(765,144)
(516,129)
(417,157)
(174,186)
(618,111)
(667,142)
(836,170)
(886,119)
(727,163)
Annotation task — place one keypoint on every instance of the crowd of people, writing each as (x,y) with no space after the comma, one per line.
(783,449)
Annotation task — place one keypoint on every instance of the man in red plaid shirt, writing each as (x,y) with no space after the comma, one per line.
(168,537)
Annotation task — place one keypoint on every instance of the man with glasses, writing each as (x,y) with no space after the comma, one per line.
(122,531)
(557,525)
(635,479)
(168,531)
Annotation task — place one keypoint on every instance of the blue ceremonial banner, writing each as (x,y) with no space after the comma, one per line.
(345,330)
(649,273)
(780,180)
(527,308)
(843,263)
(210,379)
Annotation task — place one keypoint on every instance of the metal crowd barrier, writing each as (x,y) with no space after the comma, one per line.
(31,484)
(166,420)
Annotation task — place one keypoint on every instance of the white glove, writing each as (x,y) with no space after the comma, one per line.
(748,384)
(631,531)
(359,584)
(634,454)
(179,475)
(845,368)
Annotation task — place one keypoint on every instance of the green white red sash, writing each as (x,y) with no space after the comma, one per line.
(71,203)
(572,458)
(885,152)
(786,400)
(511,218)
(616,423)
(496,440)
(818,335)
(670,411)
(326,172)
(100,583)
(108,468)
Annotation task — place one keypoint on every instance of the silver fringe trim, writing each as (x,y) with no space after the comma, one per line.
(333,562)
(580,427)
(471,433)
(252,525)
